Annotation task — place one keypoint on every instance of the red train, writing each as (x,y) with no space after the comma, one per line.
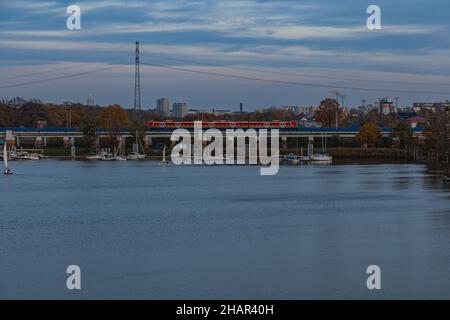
(224,124)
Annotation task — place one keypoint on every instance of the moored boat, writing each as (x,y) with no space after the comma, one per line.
(323,157)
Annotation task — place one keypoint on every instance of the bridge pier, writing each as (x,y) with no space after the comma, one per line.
(68,142)
(284,142)
(39,142)
(310,146)
(148,141)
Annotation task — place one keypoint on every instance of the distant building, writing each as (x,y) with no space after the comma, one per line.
(241,108)
(416,122)
(305,110)
(403,116)
(430,106)
(90,101)
(163,107)
(365,109)
(180,110)
(222,112)
(386,106)
(193,111)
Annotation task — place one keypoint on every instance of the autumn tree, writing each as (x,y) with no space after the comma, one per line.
(114,118)
(402,134)
(389,121)
(326,114)
(369,135)
(6,115)
(89,122)
(437,135)
(374,117)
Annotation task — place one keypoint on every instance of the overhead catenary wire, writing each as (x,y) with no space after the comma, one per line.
(284,82)
(56,69)
(61,77)
(329,77)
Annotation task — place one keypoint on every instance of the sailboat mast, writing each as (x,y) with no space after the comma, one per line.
(5,156)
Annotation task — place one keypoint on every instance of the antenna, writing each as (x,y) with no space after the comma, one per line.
(137,82)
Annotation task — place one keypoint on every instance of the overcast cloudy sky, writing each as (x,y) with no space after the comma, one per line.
(319,42)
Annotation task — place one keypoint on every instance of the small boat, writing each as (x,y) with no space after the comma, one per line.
(135,155)
(323,157)
(292,159)
(26,156)
(107,156)
(164,161)
(95,157)
(7,170)
(120,158)
(101,156)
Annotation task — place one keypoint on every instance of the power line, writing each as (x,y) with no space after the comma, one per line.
(58,69)
(304,84)
(294,73)
(60,77)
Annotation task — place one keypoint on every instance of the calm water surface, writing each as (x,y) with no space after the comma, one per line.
(139,230)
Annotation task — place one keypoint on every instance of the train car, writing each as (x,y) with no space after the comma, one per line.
(223,125)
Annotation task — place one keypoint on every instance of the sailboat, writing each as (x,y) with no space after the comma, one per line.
(135,155)
(7,170)
(164,161)
(324,156)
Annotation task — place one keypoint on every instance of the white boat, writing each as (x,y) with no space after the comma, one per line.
(7,170)
(120,158)
(164,161)
(135,155)
(101,156)
(21,155)
(324,157)
(95,157)
(292,159)
(107,156)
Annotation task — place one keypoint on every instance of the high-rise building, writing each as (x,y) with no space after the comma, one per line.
(180,110)
(163,107)
(386,106)
(90,101)
(241,107)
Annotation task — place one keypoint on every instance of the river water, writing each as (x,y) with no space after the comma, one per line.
(140,230)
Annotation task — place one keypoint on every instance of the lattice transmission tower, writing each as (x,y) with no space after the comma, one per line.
(137,82)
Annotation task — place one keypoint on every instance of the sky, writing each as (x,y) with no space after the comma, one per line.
(307,48)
